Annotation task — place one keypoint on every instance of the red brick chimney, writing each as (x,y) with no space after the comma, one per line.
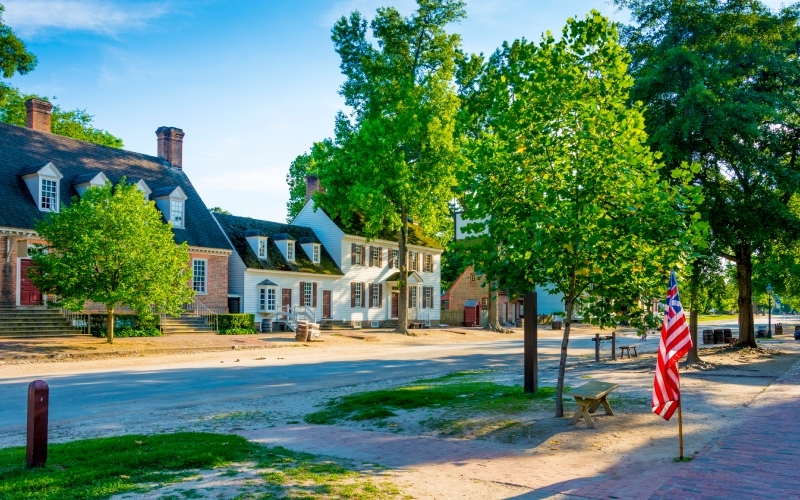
(170,145)
(312,186)
(37,114)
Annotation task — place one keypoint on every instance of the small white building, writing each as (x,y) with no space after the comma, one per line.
(313,269)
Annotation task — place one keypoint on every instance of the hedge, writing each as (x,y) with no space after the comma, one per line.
(125,325)
(231,321)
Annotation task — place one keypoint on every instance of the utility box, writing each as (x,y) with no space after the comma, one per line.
(472,313)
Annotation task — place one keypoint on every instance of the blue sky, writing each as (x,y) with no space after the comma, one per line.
(252,83)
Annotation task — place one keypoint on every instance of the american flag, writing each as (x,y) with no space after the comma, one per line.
(675,343)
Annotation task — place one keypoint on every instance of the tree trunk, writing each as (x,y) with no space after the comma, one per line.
(492,323)
(694,356)
(562,363)
(111,322)
(744,282)
(402,312)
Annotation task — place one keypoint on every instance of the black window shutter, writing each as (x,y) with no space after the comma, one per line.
(371,289)
(380,294)
(391,258)
(370,257)
(363,290)
(302,293)
(314,294)
(353,254)
(353,292)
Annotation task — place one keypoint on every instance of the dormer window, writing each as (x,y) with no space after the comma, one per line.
(315,254)
(311,248)
(86,181)
(262,248)
(49,195)
(286,244)
(172,203)
(44,184)
(176,213)
(142,186)
(290,251)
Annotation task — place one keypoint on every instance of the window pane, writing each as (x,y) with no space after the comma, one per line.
(290,250)
(48,194)
(307,296)
(199,278)
(271,299)
(176,213)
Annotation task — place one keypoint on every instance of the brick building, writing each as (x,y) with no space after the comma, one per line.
(41,171)
(469,286)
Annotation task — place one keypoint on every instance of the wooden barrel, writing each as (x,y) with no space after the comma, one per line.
(728,334)
(708,336)
(797,332)
(266,325)
(719,336)
(762,332)
(779,329)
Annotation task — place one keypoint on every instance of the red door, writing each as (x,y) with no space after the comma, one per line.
(29,295)
(326,304)
(286,297)
(395,304)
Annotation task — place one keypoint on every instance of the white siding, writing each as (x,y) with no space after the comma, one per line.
(285,280)
(328,233)
(236,269)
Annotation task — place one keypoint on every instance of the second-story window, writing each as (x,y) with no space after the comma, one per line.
(176,213)
(49,196)
(396,259)
(199,275)
(315,256)
(290,250)
(262,248)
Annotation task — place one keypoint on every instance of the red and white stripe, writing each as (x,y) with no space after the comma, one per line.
(675,342)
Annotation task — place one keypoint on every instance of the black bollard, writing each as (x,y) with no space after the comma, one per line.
(38,401)
(597,347)
(530,354)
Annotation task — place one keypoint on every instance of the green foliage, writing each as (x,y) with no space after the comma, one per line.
(237,331)
(112,248)
(450,391)
(218,210)
(14,56)
(125,325)
(76,124)
(563,181)
(296,179)
(720,81)
(393,160)
(238,320)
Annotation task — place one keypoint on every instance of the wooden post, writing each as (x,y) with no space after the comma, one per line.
(38,401)
(614,346)
(597,347)
(531,355)
(680,429)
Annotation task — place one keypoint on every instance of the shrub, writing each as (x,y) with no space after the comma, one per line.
(125,325)
(237,331)
(233,321)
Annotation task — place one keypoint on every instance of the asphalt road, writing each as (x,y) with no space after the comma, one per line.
(158,387)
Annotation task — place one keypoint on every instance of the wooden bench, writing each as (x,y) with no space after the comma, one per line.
(415,324)
(589,398)
(627,348)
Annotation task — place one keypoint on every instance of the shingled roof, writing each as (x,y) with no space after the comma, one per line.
(23,150)
(237,228)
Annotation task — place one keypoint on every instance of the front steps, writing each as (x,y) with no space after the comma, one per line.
(34,322)
(184,324)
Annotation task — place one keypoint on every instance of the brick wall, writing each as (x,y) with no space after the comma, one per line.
(464,289)
(217,297)
(8,273)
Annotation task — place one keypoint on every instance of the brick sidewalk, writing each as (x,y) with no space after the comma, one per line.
(756,458)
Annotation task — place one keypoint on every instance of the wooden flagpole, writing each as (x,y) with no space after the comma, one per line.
(680,429)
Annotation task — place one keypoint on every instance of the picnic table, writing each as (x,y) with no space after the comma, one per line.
(627,348)
(589,398)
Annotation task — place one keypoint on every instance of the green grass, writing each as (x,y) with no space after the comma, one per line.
(459,390)
(702,318)
(100,468)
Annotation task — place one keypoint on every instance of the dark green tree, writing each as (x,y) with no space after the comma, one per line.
(720,81)
(14,56)
(296,179)
(393,160)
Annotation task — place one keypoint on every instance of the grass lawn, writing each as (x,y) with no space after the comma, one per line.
(704,318)
(459,392)
(100,468)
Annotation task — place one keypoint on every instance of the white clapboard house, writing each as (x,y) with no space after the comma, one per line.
(314,269)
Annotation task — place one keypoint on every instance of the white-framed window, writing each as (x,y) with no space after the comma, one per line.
(262,248)
(359,255)
(290,250)
(49,190)
(200,276)
(428,263)
(413,301)
(315,254)
(396,259)
(308,295)
(267,299)
(357,291)
(428,297)
(473,277)
(376,298)
(176,213)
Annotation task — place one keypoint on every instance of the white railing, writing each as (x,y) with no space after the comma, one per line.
(198,309)
(77,319)
(305,312)
(287,315)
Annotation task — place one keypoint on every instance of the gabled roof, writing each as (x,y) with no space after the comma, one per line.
(236,228)
(23,150)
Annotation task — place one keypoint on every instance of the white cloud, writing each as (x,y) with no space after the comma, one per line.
(29,17)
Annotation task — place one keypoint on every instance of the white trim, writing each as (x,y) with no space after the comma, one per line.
(301,273)
(11,231)
(212,251)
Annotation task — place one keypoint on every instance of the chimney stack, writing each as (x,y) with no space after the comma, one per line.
(312,186)
(170,145)
(37,114)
